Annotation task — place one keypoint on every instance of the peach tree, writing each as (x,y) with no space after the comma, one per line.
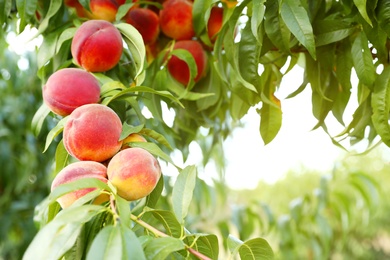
(208,62)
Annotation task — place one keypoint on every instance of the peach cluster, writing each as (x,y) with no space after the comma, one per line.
(92,131)
(173,21)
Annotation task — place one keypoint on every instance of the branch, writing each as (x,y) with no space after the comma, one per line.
(158,233)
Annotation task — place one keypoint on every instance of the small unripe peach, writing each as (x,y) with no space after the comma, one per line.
(132,138)
(176,19)
(146,22)
(92,133)
(180,70)
(69,88)
(76,171)
(97,46)
(134,172)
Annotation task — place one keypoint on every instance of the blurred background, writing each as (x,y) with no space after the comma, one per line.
(308,198)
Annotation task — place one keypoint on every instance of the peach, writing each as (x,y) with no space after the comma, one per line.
(132,138)
(180,70)
(146,22)
(104,9)
(69,88)
(76,171)
(134,172)
(176,19)
(97,46)
(92,133)
(214,24)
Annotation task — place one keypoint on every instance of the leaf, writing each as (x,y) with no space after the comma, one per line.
(233,244)
(384,15)
(66,35)
(54,132)
(168,220)
(129,129)
(182,192)
(61,233)
(204,243)
(258,11)
(115,242)
(5,9)
(331,31)
(61,156)
(156,136)
(297,20)
(381,105)
(39,118)
(136,46)
(26,10)
(362,60)
(199,15)
(361,5)
(275,28)
(53,9)
(152,198)
(257,248)
(160,248)
(124,212)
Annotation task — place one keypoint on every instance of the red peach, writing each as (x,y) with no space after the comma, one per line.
(134,172)
(180,70)
(97,46)
(176,19)
(146,22)
(76,171)
(69,88)
(214,23)
(104,9)
(91,133)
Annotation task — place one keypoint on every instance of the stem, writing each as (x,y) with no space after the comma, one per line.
(158,233)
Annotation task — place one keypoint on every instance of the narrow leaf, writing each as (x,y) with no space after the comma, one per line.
(361,5)
(362,60)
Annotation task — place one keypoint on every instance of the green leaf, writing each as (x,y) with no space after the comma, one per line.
(115,242)
(53,9)
(136,46)
(61,156)
(257,248)
(61,233)
(54,132)
(384,15)
(39,118)
(129,129)
(66,35)
(361,5)
(47,50)
(160,248)
(297,20)
(330,31)
(5,9)
(168,220)
(258,11)
(275,27)
(233,244)
(26,10)
(124,211)
(156,136)
(381,105)
(204,243)
(199,14)
(152,198)
(362,60)
(182,192)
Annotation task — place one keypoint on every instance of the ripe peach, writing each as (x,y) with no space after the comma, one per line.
(69,88)
(97,46)
(104,9)
(134,172)
(146,22)
(91,133)
(214,23)
(180,70)
(176,19)
(79,170)
(132,138)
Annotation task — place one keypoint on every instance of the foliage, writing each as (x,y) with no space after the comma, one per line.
(260,41)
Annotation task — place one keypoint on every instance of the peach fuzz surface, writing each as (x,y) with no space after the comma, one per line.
(132,138)
(179,68)
(91,133)
(76,171)
(69,88)
(146,22)
(134,172)
(176,19)
(97,46)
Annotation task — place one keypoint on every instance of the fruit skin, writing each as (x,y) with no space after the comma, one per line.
(91,133)
(100,9)
(134,172)
(76,171)
(214,24)
(132,138)
(176,19)
(180,70)
(146,22)
(97,46)
(69,88)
